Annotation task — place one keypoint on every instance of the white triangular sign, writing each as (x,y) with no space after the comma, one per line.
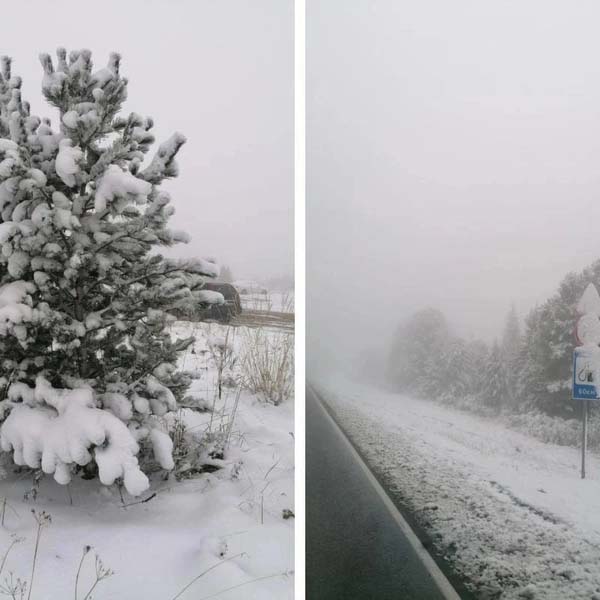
(590,301)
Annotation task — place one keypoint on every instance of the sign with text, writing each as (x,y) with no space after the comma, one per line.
(584,386)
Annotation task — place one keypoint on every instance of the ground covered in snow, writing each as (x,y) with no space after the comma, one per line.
(508,512)
(231,528)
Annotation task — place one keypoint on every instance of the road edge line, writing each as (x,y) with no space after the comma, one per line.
(444,586)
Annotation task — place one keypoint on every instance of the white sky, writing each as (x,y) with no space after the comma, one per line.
(221,72)
(453,160)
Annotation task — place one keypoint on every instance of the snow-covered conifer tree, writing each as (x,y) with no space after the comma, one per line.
(415,358)
(495,388)
(455,372)
(547,351)
(479,353)
(88,367)
(511,348)
(226,276)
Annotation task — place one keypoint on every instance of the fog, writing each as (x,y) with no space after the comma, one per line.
(453,161)
(219,72)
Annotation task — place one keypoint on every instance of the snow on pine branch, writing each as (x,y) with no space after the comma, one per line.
(15,308)
(207,267)
(117,184)
(163,164)
(56,429)
(67,161)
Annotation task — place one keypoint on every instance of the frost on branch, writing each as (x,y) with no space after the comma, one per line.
(87,365)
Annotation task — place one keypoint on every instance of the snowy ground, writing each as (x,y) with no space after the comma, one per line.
(509,512)
(231,519)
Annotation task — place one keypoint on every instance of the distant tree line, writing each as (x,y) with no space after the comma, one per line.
(525,370)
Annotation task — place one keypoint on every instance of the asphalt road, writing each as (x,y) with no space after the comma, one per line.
(355,549)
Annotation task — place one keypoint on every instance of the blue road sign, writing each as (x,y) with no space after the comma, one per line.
(584,386)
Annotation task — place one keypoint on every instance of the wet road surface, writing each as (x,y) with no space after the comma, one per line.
(355,548)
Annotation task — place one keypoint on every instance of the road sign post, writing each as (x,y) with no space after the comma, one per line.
(586,360)
(585,409)
(584,388)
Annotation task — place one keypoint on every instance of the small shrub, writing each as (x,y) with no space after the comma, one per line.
(557,430)
(268,364)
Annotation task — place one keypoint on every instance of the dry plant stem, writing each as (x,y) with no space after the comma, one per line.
(6,505)
(13,588)
(153,495)
(232,417)
(271,468)
(101,573)
(5,557)
(212,412)
(204,573)
(79,571)
(239,585)
(41,522)
(220,367)
(88,595)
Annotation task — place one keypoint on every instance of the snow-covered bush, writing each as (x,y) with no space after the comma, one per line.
(471,403)
(88,370)
(557,430)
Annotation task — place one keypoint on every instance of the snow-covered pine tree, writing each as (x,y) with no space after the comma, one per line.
(495,388)
(531,388)
(455,371)
(511,347)
(226,276)
(415,359)
(88,367)
(479,353)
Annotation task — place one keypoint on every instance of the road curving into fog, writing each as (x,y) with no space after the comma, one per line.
(358,547)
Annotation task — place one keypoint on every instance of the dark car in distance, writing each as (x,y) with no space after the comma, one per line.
(222,313)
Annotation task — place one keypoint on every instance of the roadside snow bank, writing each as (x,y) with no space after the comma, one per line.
(508,512)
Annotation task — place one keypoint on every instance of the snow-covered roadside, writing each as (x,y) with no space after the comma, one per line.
(233,517)
(510,513)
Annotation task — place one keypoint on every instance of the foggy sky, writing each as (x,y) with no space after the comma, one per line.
(453,161)
(219,72)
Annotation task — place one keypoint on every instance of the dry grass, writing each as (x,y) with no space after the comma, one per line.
(268,364)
